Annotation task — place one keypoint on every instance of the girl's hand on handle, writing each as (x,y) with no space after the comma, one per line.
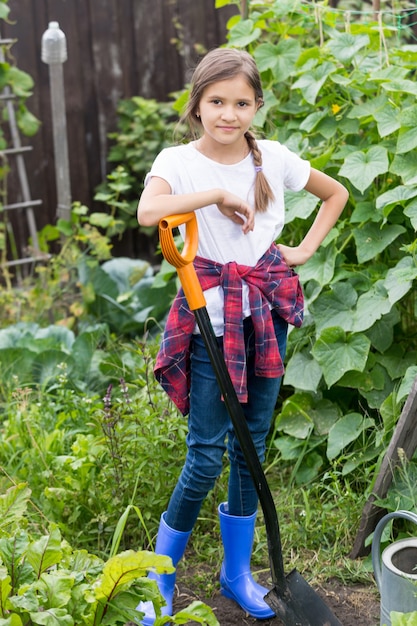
(239,212)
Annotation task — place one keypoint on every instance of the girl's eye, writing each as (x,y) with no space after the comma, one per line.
(242,104)
(216,101)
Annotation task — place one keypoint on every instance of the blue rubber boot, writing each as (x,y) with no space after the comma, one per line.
(172,543)
(236,581)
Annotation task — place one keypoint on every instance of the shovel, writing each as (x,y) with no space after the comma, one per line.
(291,598)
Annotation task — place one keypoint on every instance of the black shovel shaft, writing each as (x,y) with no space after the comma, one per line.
(248,448)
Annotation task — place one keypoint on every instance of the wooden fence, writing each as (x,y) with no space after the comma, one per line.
(116,49)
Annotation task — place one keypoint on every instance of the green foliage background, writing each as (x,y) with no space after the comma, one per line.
(83,423)
(343,96)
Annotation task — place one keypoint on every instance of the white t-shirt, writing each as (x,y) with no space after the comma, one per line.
(186,170)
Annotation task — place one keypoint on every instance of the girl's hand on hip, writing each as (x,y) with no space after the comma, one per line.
(239,212)
(293,256)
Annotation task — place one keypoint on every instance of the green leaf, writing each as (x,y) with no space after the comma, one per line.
(27,122)
(5,589)
(56,587)
(371,306)
(405,166)
(13,504)
(407,383)
(13,620)
(122,569)
(45,552)
(398,195)
(411,212)
(309,468)
(401,86)
(346,430)
(407,140)
(303,372)
(198,613)
(102,220)
(295,418)
(280,59)
(396,281)
(345,46)
(320,267)
(4,14)
(300,204)
(335,307)
(403,619)
(387,119)
(52,617)
(371,240)
(243,33)
(369,108)
(362,167)
(338,353)
(290,448)
(20,82)
(312,81)
(222,3)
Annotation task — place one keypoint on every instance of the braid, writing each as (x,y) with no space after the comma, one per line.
(263,192)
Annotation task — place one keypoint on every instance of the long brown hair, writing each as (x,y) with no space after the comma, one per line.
(217,65)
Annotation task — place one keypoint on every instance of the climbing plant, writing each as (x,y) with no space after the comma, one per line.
(341,94)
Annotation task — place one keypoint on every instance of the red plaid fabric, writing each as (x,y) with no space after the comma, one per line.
(271,283)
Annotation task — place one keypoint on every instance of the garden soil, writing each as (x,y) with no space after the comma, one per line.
(353,605)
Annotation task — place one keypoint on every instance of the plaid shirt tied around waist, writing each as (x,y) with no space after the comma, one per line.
(271,284)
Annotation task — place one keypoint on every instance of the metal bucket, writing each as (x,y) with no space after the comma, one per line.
(396,571)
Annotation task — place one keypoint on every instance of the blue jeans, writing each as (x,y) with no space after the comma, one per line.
(210,432)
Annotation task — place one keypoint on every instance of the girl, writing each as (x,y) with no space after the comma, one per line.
(235,184)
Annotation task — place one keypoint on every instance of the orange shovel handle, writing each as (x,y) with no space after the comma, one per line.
(183,261)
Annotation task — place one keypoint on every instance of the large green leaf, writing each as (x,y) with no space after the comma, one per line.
(126,272)
(399,195)
(346,430)
(371,306)
(49,365)
(338,352)
(396,282)
(45,552)
(372,239)
(411,212)
(295,418)
(302,413)
(363,166)
(312,81)
(320,267)
(335,307)
(405,166)
(280,58)
(300,204)
(403,619)
(387,119)
(303,372)
(407,140)
(243,33)
(52,617)
(401,86)
(13,505)
(345,46)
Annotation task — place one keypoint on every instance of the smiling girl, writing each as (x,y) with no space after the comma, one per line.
(235,184)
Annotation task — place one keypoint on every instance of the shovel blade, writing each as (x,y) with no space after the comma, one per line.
(299,605)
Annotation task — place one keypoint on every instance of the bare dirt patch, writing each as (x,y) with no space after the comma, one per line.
(353,605)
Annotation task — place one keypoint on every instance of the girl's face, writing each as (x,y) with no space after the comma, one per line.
(226,110)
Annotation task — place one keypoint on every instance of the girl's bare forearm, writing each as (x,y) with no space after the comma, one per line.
(155,207)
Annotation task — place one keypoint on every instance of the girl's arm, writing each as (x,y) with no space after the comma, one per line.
(334,197)
(157,202)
